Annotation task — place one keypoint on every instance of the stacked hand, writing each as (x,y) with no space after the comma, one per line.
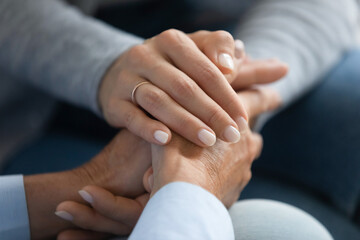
(186,91)
(192,89)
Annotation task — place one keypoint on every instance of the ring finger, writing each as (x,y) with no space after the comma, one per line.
(161,106)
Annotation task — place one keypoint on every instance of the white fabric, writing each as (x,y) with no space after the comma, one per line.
(14,222)
(184,211)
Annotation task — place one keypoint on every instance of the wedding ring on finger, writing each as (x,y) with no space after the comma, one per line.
(133,99)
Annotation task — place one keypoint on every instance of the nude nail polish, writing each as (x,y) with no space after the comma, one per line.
(239,49)
(64,215)
(242,125)
(206,137)
(86,196)
(161,136)
(231,134)
(226,61)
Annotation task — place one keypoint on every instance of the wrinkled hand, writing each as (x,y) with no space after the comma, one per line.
(223,169)
(120,166)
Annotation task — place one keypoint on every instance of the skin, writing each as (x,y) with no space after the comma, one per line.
(118,171)
(116,177)
(223,170)
(188,87)
(119,168)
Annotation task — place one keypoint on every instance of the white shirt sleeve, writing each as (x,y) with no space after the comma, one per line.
(14,221)
(182,210)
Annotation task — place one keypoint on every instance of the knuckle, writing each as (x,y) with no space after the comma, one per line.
(235,104)
(202,32)
(184,88)
(170,36)
(209,74)
(154,99)
(224,36)
(216,116)
(186,122)
(137,54)
(87,224)
(129,118)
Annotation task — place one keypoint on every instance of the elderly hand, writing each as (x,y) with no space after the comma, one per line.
(223,169)
(119,168)
(188,92)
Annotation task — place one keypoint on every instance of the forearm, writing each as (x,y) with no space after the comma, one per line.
(44,192)
(57,48)
(308,35)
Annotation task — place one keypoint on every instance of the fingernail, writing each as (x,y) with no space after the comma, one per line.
(239,49)
(64,215)
(161,136)
(242,125)
(207,137)
(231,134)
(151,181)
(226,61)
(86,196)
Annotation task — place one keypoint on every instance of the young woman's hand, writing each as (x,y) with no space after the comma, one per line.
(186,88)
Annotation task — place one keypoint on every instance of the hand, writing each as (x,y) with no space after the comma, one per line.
(223,169)
(188,92)
(114,215)
(119,167)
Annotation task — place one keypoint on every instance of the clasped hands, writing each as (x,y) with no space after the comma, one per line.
(200,82)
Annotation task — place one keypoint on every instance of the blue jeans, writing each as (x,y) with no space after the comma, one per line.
(311,156)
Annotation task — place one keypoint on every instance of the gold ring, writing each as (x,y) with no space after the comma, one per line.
(134,91)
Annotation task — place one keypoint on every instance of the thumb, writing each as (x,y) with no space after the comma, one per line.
(148,180)
(259,100)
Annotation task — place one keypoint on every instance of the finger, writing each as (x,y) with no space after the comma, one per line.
(89,219)
(139,123)
(82,235)
(239,49)
(186,56)
(165,109)
(148,179)
(190,96)
(117,208)
(256,145)
(259,72)
(260,100)
(218,46)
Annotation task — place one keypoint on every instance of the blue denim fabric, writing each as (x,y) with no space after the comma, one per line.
(311,156)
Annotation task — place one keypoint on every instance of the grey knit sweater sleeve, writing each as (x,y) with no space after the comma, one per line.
(309,35)
(56,48)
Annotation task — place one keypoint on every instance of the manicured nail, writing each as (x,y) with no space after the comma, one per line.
(239,49)
(207,137)
(231,134)
(226,61)
(64,215)
(161,136)
(86,196)
(242,125)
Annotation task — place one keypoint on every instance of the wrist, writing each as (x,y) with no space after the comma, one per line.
(181,169)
